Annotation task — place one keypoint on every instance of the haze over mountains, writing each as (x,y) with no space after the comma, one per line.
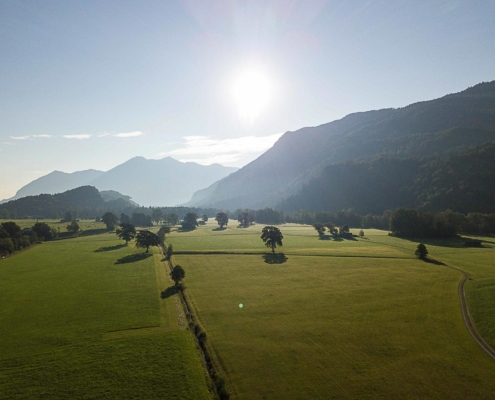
(147,182)
(442,127)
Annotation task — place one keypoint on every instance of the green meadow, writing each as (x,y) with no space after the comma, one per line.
(340,319)
(85,225)
(83,318)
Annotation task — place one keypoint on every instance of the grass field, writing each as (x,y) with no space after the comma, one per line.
(76,324)
(348,319)
(85,225)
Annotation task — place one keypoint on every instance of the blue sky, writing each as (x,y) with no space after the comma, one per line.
(90,84)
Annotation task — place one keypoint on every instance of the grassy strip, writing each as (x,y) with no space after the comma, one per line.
(219,386)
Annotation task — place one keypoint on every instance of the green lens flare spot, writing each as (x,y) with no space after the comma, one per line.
(241,305)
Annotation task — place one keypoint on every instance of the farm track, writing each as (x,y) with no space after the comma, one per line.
(466,316)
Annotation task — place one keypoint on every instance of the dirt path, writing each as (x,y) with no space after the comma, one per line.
(466,316)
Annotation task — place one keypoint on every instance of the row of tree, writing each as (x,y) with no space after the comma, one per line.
(13,238)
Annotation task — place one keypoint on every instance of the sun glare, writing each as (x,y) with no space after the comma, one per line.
(252,92)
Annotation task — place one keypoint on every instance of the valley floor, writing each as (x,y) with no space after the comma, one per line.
(340,319)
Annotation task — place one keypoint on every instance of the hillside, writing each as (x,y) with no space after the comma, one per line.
(462,182)
(165,182)
(444,126)
(83,202)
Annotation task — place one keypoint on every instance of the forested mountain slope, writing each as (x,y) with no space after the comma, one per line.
(444,126)
(82,202)
(462,182)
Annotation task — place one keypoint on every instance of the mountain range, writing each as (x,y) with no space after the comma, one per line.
(302,160)
(147,182)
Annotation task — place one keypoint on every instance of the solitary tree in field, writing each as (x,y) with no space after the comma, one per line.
(320,228)
(177,274)
(126,232)
(73,227)
(272,237)
(146,239)
(222,219)
(361,233)
(110,220)
(421,251)
(204,217)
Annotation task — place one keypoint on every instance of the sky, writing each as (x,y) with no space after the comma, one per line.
(91,84)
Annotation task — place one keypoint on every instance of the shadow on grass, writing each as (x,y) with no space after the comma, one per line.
(219,229)
(110,248)
(99,231)
(325,237)
(133,258)
(432,261)
(278,258)
(170,291)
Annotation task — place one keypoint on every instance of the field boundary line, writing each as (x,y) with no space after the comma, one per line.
(466,315)
(214,252)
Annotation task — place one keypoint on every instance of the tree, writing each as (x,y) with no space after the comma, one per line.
(157,215)
(12,229)
(344,229)
(126,232)
(190,221)
(73,227)
(141,219)
(67,217)
(170,251)
(177,274)
(272,237)
(6,247)
(172,219)
(43,231)
(244,219)
(125,219)
(361,233)
(164,230)
(204,217)
(332,228)
(146,239)
(421,251)
(222,219)
(320,228)
(110,220)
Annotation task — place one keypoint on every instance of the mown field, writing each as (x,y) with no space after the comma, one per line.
(340,319)
(85,225)
(83,318)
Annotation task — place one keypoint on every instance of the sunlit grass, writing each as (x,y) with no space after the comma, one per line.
(363,319)
(74,324)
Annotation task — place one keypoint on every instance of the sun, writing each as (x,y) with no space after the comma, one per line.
(252,92)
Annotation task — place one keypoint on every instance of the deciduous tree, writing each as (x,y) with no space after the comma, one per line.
(145,239)
(110,220)
(190,221)
(73,227)
(272,237)
(421,251)
(177,274)
(126,232)
(222,219)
